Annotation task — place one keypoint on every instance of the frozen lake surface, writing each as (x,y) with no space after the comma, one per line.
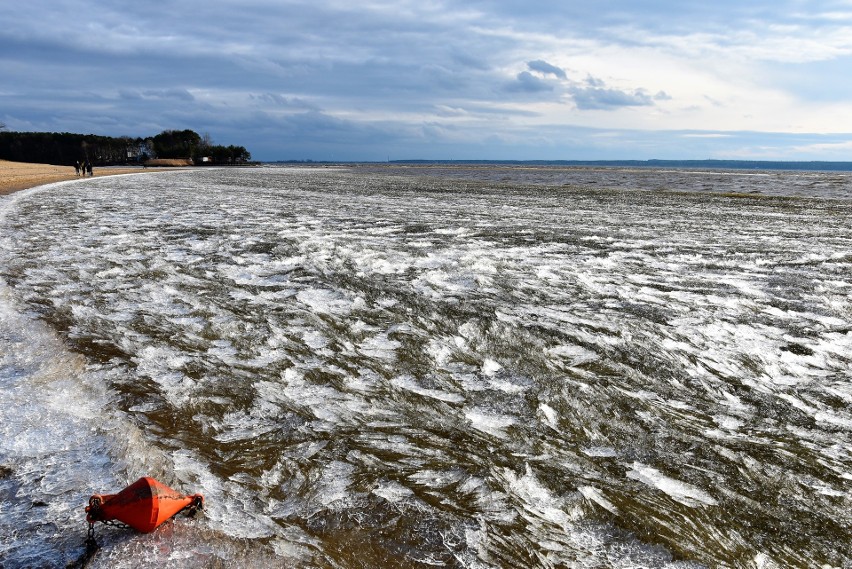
(400,367)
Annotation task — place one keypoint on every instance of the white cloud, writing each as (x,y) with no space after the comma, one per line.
(838,150)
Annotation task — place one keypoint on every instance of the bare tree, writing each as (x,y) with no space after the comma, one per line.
(2,126)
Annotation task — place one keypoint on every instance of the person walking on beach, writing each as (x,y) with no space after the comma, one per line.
(77,167)
(89,168)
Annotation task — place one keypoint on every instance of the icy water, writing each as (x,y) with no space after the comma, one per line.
(415,367)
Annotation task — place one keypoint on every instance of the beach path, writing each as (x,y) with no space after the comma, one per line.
(16,176)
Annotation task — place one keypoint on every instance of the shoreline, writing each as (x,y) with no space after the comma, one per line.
(17,176)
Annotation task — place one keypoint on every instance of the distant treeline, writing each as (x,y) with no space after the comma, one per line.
(717,164)
(65,148)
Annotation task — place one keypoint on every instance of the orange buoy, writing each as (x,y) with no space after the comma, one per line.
(143,505)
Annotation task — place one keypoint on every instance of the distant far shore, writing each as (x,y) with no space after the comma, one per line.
(15,176)
(715,164)
(816,165)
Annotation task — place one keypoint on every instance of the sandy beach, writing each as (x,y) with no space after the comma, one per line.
(16,176)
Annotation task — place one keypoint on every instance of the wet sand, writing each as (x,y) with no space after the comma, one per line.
(16,176)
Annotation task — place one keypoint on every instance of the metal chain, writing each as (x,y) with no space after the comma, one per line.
(91,545)
(115,524)
(192,508)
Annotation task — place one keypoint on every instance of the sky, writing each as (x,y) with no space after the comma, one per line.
(378,80)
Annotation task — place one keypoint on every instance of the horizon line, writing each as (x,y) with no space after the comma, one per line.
(718,162)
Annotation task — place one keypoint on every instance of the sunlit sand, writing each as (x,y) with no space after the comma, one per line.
(16,176)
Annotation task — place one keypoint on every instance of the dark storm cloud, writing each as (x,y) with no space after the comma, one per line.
(540,77)
(546,68)
(595,96)
(590,94)
(526,82)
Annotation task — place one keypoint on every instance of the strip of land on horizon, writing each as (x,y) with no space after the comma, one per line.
(16,176)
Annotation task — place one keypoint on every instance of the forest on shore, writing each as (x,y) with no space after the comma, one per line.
(65,148)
